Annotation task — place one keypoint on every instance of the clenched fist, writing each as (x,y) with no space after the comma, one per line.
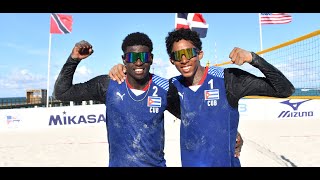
(240,56)
(81,50)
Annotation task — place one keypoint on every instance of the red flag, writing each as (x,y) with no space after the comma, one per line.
(275,18)
(60,23)
(193,21)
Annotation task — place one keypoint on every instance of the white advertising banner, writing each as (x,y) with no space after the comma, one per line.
(279,109)
(64,116)
(92,115)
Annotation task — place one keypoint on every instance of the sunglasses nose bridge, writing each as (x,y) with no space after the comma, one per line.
(184,58)
(138,61)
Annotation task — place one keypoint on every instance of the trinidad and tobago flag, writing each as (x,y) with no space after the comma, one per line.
(60,23)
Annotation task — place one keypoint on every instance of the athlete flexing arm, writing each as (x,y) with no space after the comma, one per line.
(240,83)
(94,89)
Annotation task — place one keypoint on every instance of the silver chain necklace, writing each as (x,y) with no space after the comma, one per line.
(138,100)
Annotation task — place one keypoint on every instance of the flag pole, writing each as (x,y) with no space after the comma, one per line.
(48,78)
(260,32)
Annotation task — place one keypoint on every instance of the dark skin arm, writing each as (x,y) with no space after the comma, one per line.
(239,144)
(118,73)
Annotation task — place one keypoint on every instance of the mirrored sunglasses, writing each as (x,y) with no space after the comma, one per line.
(132,57)
(189,53)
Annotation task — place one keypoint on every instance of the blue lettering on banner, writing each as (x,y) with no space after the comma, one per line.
(295,112)
(242,108)
(82,119)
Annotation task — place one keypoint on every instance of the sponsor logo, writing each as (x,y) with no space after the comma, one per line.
(294,105)
(121,96)
(295,113)
(12,121)
(55,120)
(181,95)
(242,108)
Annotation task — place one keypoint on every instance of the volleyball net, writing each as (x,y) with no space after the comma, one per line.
(299,60)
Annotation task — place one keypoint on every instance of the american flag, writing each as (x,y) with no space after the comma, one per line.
(193,21)
(60,23)
(275,18)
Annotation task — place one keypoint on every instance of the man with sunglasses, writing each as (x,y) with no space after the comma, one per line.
(209,96)
(134,109)
(216,92)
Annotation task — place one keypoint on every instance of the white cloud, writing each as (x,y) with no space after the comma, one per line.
(19,81)
(171,71)
(82,74)
(164,68)
(82,71)
(24,75)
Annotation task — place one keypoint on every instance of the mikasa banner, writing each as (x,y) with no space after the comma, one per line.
(54,117)
(94,115)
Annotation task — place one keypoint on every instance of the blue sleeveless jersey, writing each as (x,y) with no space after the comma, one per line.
(208,123)
(135,125)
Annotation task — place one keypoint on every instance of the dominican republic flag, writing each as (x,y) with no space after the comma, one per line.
(193,21)
(60,23)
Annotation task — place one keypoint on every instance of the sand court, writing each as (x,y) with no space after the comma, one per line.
(289,143)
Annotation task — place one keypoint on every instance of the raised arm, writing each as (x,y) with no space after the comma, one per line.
(240,83)
(94,89)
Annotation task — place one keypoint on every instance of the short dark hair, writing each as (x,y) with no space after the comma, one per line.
(137,38)
(186,34)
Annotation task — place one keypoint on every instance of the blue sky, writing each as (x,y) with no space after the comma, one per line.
(24,43)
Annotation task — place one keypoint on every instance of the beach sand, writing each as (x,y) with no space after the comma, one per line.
(266,144)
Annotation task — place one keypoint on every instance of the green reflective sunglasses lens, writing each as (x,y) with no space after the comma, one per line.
(132,57)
